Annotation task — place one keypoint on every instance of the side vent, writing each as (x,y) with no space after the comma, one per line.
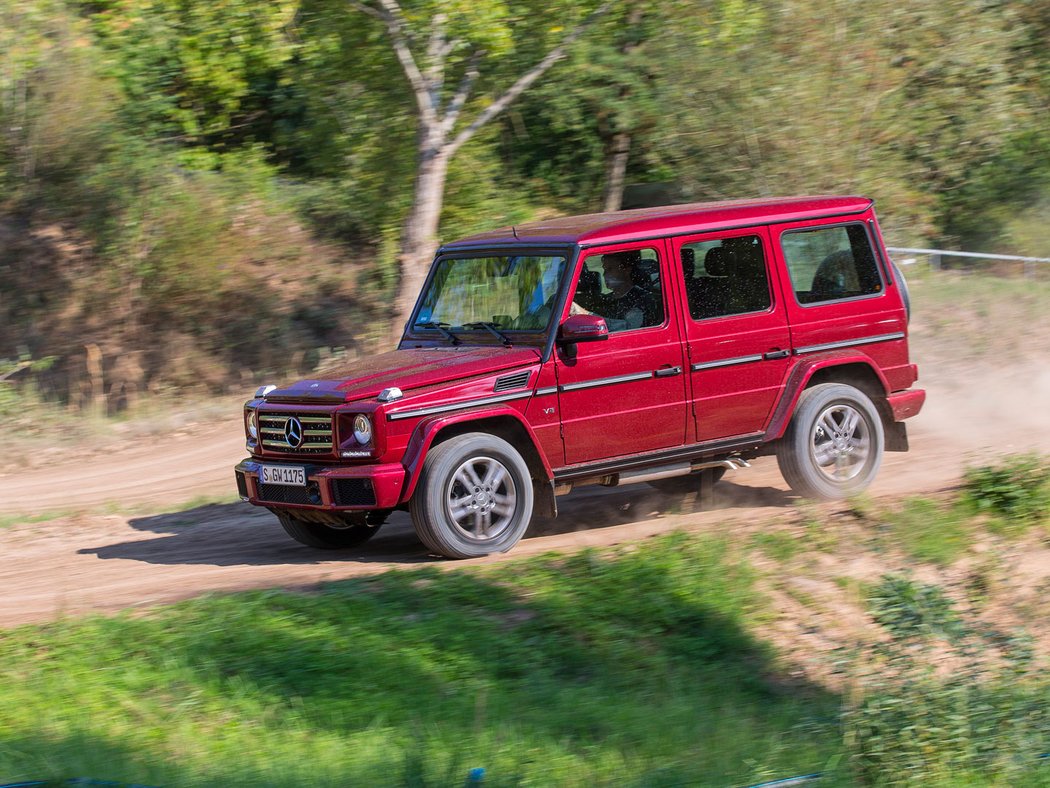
(516,381)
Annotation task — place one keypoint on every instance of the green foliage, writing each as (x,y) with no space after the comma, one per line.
(968,711)
(599,669)
(908,609)
(205,71)
(929,530)
(1016,490)
(778,545)
(965,729)
(128,128)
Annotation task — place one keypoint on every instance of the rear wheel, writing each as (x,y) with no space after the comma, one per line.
(833,446)
(474,497)
(356,531)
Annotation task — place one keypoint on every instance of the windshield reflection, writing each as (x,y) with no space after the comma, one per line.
(508,293)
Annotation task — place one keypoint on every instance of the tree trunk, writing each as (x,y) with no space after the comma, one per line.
(616,171)
(419,234)
(620,148)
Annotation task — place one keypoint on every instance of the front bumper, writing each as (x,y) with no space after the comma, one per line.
(332,488)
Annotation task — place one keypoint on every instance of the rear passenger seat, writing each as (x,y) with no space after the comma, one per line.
(709,294)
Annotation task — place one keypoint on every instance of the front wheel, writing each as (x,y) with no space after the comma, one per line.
(474,497)
(327,537)
(833,446)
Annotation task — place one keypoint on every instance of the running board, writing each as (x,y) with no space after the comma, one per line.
(653,474)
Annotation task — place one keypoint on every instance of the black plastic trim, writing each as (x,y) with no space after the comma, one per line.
(606,467)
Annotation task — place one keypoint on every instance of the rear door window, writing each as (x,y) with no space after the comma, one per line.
(831,263)
(725,277)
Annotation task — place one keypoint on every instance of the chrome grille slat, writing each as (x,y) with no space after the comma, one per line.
(318,439)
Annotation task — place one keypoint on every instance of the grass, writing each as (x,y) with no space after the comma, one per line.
(931,531)
(629,668)
(1015,492)
(638,666)
(778,545)
(979,720)
(1007,498)
(8,520)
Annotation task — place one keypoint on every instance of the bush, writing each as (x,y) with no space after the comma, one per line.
(1017,489)
(908,609)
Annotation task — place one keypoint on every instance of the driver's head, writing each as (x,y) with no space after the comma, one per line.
(618,268)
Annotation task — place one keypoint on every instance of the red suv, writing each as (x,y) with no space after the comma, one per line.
(663,345)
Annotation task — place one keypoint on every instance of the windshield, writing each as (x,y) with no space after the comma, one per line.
(512,292)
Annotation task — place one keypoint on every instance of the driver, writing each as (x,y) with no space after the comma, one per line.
(626,305)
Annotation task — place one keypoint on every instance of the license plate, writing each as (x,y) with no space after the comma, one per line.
(288,475)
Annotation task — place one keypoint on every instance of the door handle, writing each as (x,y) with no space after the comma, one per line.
(775,354)
(668,372)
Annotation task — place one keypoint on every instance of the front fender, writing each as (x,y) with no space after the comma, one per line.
(803,372)
(488,419)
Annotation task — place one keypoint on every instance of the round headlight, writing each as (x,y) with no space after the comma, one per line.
(252,421)
(362,429)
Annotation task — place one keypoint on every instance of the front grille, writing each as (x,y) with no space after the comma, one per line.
(353,492)
(279,493)
(316,432)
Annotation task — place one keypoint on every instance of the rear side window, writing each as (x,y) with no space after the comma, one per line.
(725,277)
(831,263)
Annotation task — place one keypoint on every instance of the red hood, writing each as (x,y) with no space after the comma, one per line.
(405,369)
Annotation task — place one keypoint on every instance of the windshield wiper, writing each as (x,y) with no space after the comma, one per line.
(443,328)
(492,328)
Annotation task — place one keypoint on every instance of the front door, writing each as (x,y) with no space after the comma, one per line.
(736,331)
(626,394)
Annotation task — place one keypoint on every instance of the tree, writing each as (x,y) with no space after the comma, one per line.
(440,134)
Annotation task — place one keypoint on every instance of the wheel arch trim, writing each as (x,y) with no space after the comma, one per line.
(429,429)
(803,373)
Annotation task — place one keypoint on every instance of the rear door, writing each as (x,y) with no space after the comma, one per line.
(839,294)
(736,330)
(625,394)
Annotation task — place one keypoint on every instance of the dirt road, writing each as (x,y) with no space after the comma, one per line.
(96,562)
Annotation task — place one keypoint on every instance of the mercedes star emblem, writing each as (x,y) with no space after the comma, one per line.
(293,432)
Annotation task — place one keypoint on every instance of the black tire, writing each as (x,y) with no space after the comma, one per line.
(833,446)
(326,537)
(699,482)
(474,497)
